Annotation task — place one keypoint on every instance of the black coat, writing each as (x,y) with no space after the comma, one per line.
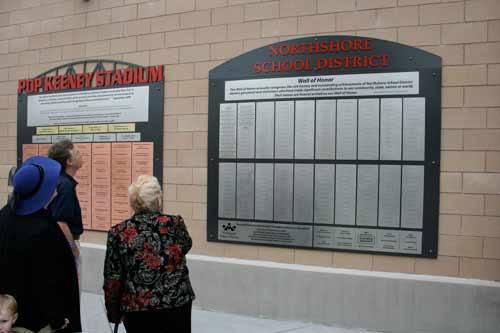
(37,267)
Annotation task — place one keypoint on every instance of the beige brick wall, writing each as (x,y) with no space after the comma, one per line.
(192,36)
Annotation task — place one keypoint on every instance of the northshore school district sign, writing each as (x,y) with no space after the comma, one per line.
(327,142)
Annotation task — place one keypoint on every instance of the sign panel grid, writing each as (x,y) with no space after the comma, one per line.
(335,192)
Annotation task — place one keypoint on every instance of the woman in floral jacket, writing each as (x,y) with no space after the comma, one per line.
(146,280)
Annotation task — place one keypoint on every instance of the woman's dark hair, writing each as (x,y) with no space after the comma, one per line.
(61,152)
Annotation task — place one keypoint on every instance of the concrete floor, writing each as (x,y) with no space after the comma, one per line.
(94,321)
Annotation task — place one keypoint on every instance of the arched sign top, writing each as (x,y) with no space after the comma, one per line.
(88,66)
(88,74)
(326,55)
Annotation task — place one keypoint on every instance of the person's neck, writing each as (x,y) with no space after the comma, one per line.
(71,171)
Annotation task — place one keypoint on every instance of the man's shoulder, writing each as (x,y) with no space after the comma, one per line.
(65,180)
(65,187)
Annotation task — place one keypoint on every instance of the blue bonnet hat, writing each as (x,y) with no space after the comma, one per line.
(34,184)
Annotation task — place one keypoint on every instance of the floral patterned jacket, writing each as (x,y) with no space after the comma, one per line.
(145,267)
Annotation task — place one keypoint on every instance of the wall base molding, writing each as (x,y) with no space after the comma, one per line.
(387,302)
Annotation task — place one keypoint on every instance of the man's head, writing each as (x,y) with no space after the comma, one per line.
(67,155)
(8,312)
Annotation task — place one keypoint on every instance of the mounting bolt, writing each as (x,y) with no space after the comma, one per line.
(433,162)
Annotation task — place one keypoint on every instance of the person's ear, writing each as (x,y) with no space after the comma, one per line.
(69,161)
(15,318)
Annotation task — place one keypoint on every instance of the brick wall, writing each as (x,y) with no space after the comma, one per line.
(192,36)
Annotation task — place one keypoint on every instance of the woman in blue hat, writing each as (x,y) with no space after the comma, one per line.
(35,259)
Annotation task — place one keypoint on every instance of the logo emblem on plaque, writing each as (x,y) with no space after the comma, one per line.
(229,227)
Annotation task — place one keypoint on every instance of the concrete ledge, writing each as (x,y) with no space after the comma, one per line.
(389,302)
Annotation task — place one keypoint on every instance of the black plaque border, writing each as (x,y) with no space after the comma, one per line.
(403,58)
